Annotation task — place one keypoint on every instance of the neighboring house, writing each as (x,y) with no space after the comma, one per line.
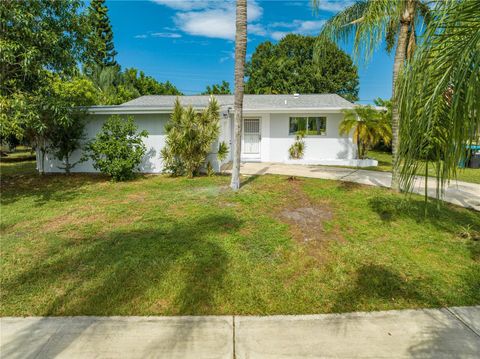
(269,127)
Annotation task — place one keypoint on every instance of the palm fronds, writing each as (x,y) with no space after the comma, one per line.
(369,127)
(368,20)
(439,94)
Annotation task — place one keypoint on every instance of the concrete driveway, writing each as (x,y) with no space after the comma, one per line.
(460,193)
(426,333)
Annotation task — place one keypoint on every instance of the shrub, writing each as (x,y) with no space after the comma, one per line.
(65,140)
(118,149)
(190,136)
(222,151)
(297,149)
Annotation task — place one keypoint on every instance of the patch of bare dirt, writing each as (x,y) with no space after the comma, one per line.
(307,219)
(351,186)
(60,222)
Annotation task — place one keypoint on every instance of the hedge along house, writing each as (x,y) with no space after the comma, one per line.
(269,127)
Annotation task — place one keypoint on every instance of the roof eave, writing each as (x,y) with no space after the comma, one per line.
(134,110)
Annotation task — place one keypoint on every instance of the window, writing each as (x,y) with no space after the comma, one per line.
(308,125)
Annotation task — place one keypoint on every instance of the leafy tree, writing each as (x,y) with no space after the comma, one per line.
(76,91)
(190,136)
(66,136)
(100,49)
(66,139)
(240,55)
(48,118)
(387,117)
(147,85)
(290,67)
(38,38)
(218,89)
(439,94)
(371,22)
(116,87)
(112,90)
(117,150)
(369,127)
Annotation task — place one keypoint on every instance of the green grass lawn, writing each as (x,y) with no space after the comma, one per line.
(81,245)
(385,165)
(22,161)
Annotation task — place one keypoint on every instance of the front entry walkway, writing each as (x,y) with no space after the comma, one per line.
(460,193)
(425,333)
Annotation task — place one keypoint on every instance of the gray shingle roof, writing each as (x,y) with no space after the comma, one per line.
(251,102)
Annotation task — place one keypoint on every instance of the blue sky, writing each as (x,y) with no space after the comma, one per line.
(190,43)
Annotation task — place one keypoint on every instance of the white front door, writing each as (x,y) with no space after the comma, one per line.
(251,137)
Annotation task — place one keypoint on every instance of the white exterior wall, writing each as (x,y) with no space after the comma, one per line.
(152,161)
(274,143)
(331,146)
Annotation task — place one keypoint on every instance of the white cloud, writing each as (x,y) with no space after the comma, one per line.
(323,5)
(308,26)
(209,23)
(334,5)
(169,35)
(257,29)
(185,5)
(302,27)
(277,35)
(216,19)
(211,18)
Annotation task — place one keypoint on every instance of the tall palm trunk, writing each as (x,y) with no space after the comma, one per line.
(240,53)
(399,61)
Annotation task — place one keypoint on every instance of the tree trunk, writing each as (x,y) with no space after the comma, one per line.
(240,54)
(67,164)
(43,151)
(399,61)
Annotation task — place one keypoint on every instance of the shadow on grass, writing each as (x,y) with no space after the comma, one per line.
(125,273)
(377,284)
(112,274)
(250,179)
(45,188)
(447,217)
(474,246)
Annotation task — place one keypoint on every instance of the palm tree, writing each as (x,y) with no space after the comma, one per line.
(240,54)
(374,21)
(438,94)
(369,127)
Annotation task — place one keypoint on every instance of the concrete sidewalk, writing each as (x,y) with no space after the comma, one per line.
(460,193)
(428,333)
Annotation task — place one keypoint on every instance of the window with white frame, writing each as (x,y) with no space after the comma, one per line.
(309,126)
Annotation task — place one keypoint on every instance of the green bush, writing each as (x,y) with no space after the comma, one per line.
(297,149)
(190,137)
(118,149)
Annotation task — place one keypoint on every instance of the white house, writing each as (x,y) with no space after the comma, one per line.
(269,127)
